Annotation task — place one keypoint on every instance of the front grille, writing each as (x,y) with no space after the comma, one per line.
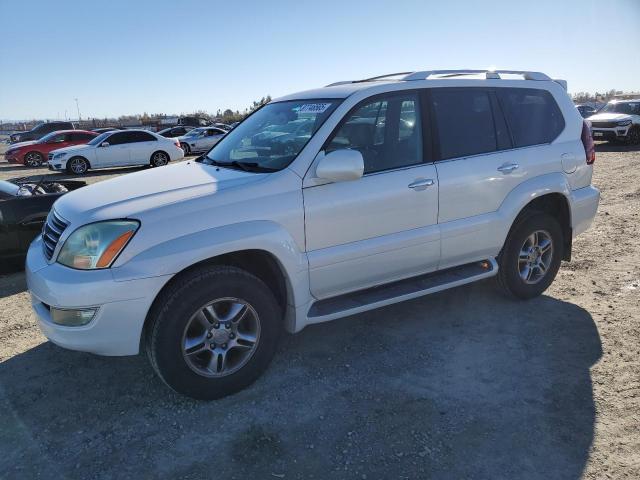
(53,228)
(604,124)
(50,156)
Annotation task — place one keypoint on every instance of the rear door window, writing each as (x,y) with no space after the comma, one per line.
(465,121)
(533,115)
(141,137)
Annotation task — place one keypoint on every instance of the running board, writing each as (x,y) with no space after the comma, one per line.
(379,296)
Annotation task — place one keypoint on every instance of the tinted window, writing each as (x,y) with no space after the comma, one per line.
(118,138)
(141,137)
(387,131)
(465,122)
(533,115)
(81,137)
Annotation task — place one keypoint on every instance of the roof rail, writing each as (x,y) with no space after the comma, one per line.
(424,75)
(490,74)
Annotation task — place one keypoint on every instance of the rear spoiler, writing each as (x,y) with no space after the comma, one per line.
(561,82)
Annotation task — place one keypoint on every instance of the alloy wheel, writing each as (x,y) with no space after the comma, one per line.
(535,257)
(32,159)
(159,159)
(221,337)
(78,166)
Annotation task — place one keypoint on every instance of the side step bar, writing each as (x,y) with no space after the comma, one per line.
(379,296)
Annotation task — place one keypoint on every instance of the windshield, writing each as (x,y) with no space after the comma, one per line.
(272,137)
(100,138)
(48,137)
(9,188)
(628,108)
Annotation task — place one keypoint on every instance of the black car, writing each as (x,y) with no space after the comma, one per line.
(173,132)
(36,133)
(586,110)
(24,206)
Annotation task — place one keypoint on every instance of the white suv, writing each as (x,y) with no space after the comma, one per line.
(117,148)
(404,185)
(619,120)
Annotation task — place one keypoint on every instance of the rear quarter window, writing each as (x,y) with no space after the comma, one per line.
(533,115)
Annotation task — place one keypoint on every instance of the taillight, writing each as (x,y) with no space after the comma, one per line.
(176,143)
(587,142)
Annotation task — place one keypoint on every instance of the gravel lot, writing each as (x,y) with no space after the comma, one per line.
(461,384)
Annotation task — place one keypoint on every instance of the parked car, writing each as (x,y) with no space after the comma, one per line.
(35,153)
(104,129)
(40,131)
(618,121)
(173,132)
(222,126)
(586,110)
(116,149)
(204,263)
(200,139)
(24,206)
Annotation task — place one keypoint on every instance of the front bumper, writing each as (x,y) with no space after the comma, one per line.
(122,305)
(617,133)
(14,159)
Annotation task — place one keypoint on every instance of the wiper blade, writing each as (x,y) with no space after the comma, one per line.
(245,166)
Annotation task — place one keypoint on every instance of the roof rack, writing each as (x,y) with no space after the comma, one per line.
(424,75)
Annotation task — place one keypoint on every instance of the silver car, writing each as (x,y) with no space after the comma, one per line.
(200,139)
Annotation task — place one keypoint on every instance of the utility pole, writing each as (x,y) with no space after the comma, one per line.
(78,107)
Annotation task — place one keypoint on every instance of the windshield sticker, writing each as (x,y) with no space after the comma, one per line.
(314,108)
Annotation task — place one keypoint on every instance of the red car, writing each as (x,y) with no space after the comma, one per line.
(34,153)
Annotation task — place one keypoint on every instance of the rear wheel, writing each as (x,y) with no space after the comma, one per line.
(213,332)
(158,159)
(33,159)
(77,166)
(531,256)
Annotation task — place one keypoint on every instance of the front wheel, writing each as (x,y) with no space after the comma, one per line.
(77,166)
(634,136)
(213,332)
(531,256)
(185,149)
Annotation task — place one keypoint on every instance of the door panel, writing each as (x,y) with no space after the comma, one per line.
(371,231)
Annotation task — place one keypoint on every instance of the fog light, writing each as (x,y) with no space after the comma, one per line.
(72,317)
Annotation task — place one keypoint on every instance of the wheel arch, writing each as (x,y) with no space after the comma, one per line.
(555,204)
(260,263)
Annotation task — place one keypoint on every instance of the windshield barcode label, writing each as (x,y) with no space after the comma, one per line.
(314,107)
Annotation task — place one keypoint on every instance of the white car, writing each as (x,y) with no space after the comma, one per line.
(200,139)
(118,148)
(407,185)
(618,120)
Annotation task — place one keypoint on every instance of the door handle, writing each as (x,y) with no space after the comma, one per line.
(508,167)
(421,183)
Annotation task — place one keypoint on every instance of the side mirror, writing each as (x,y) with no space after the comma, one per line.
(341,166)
(104,144)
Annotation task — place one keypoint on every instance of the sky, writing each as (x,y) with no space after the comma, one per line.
(126,57)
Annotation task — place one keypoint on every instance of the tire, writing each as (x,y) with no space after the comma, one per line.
(513,266)
(77,165)
(633,137)
(159,159)
(185,149)
(33,159)
(177,321)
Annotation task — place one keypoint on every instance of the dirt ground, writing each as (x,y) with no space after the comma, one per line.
(461,384)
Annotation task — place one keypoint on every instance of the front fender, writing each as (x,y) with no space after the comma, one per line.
(175,255)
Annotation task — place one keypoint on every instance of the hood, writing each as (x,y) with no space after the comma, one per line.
(609,117)
(129,196)
(13,146)
(72,148)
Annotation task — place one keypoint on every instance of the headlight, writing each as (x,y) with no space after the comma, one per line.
(60,155)
(624,123)
(97,245)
